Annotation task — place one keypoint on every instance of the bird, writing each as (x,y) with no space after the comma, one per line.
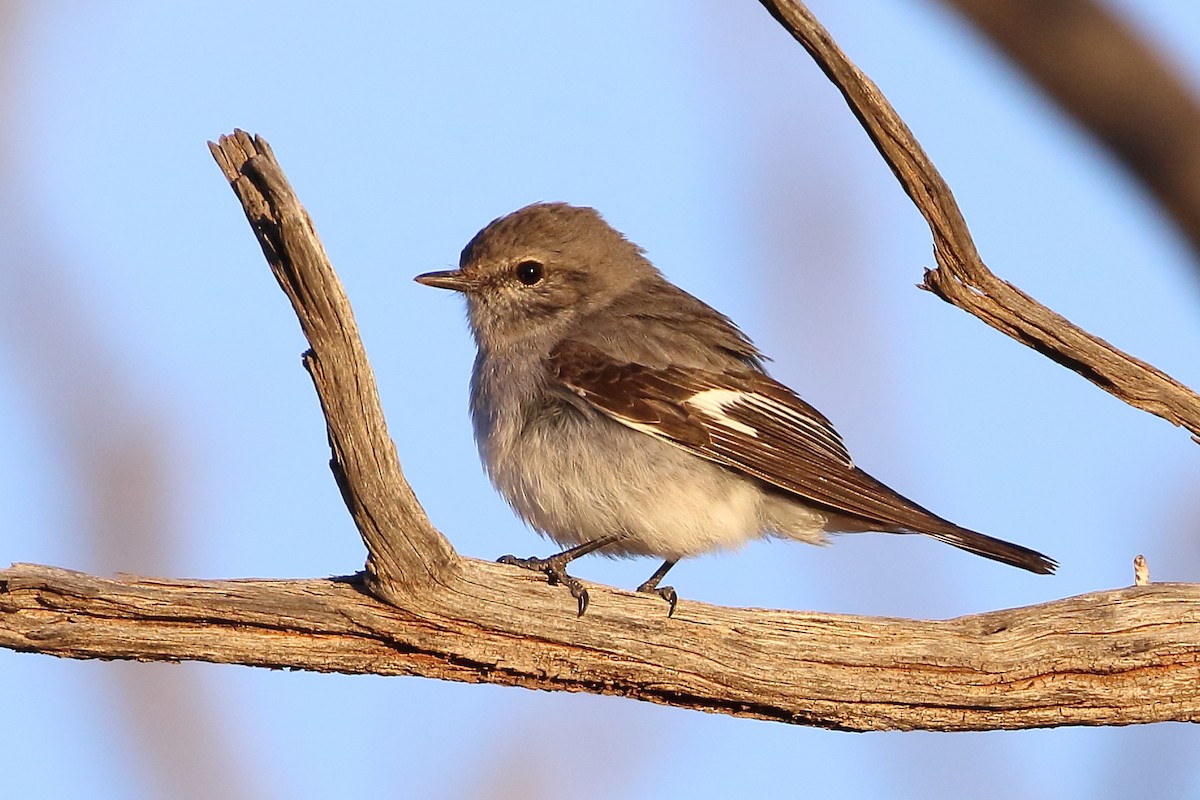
(618,414)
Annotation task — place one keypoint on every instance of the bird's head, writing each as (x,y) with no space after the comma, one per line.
(528,276)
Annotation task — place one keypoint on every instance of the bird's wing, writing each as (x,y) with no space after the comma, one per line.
(743,420)
(748,422)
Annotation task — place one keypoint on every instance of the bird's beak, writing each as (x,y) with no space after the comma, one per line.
(446,279)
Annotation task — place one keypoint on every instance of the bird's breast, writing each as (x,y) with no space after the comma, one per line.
(575,475)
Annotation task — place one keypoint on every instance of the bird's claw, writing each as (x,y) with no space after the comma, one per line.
(665,592)
(556,573)
(523,563)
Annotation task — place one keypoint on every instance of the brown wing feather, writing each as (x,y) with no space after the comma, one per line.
(758,426)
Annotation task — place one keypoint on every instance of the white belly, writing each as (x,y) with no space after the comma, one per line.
(575,487)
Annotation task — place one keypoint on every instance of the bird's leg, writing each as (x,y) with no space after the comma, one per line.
(555,570)
(666,592)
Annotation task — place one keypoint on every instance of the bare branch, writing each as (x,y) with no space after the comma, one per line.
(1116,657)
(961,278)
(1115,85)
(406,554)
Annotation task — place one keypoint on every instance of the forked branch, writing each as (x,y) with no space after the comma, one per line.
(1118,657)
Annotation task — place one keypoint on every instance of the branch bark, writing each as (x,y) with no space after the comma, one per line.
(1117,657)
(961,277)
(407,556)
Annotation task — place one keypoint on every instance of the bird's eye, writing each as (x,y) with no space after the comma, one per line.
(530,272)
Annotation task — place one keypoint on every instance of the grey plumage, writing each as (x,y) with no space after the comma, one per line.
(616,412)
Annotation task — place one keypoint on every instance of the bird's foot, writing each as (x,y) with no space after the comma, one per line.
(665,592)
(555,570)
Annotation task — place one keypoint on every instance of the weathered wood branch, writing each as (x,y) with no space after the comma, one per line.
(1118,657)
(406,554)
(961,277)
(1115,657)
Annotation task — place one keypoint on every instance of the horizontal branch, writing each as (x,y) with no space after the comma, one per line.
(1116,657)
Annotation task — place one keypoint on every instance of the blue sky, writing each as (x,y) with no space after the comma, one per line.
(704,133)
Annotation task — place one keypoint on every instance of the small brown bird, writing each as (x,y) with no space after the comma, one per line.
(616,413)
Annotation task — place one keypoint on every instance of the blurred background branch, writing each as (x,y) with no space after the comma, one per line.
(1097,68)
(120,467)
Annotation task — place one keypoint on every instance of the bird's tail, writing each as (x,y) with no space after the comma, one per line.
(995,549)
